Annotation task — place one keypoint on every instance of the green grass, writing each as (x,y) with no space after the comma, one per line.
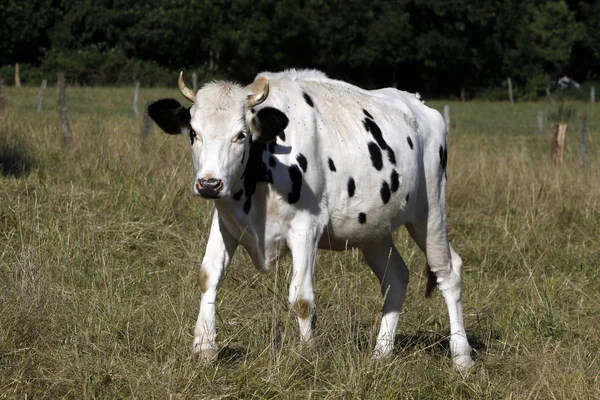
(100,247)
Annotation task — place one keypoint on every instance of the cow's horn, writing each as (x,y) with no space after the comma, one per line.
(185,91)
(259,90)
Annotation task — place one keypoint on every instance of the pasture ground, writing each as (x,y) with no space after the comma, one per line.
(100,247)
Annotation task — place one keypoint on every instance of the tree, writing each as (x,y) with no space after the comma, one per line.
(24,27)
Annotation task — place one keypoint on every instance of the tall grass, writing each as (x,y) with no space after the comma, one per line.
(101,244)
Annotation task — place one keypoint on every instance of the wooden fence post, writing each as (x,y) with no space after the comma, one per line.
(463,96)
(38,106)
(62,97)
(17,76)
(147,124)
(510,92)
(592,95)
(447,117)
(1,97)
(559,131)
(195,81)
(583,141)
(135,99)
(540,122)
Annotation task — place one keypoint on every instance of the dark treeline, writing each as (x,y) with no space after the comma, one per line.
(436,47)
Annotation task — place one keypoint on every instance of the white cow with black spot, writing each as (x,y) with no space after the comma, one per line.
(297,161)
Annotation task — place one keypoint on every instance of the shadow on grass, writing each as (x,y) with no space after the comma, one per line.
(230,354)
(14,162)
(432,343)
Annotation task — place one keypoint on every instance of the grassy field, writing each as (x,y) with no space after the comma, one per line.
(100,247)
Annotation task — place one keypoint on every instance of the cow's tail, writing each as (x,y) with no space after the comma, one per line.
(431,282)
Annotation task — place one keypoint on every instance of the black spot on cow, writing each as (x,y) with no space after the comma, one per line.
(302,161)
(271,148)
(407,197)
(410,143)
(238,195)
(394,179)
(373,128)
(375,156)
(272,161)
(282,136)
(362,218)
(391,155)
(445,163)
(308,99)
(351,187)
(443,157)
(270,122)
(385,192)
(243,157)
(331,165)
(255,171)
(248,204)
(192,135)
(367,114)
(296,178)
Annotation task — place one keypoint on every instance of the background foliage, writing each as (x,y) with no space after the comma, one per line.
(433,47)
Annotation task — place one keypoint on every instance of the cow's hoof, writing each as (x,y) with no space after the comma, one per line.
(207,355)
(381,353)
(463,363)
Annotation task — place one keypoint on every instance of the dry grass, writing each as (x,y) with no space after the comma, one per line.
(100,248)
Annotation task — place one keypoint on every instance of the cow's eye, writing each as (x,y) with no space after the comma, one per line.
(240,136)
(192,136)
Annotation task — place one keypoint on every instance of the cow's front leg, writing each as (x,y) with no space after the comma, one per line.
(302,242)
(219,251)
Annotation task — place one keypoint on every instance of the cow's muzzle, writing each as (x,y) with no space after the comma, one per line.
(209,188)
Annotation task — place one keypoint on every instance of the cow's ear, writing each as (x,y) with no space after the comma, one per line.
(270,122)
(169,115)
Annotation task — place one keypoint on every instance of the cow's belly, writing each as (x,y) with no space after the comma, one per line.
(378,205)
(348,229)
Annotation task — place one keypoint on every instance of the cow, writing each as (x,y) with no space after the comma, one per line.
(297,161)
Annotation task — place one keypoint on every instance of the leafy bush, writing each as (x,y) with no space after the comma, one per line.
(493,93)
(30,75)
(93,66)
(535,87)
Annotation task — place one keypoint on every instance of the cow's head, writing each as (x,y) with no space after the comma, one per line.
(221,124)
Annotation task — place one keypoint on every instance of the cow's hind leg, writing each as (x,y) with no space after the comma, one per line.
(390,269)
(444,269)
